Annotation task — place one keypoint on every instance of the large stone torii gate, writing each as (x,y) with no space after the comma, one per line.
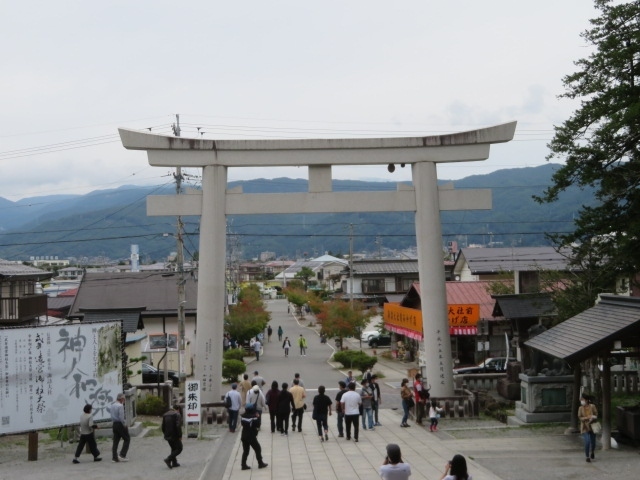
(214,202)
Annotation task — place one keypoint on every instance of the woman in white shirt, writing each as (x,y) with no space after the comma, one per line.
(393,467)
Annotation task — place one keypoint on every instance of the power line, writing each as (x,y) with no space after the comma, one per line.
(293,235)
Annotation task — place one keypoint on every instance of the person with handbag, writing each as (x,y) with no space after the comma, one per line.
(407,401)
(588,415)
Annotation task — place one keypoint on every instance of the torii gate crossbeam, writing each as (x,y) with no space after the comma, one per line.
(423,197)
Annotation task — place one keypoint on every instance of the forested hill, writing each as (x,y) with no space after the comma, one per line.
(107,222)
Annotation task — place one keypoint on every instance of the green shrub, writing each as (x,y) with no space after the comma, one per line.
(151,405)
(232,368)
(234,354)
(355,359)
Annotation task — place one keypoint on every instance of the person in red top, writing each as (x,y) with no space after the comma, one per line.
(420,401)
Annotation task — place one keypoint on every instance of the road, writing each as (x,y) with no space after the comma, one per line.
(313,368)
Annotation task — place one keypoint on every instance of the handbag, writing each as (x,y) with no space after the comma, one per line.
(596,427)
(410,402)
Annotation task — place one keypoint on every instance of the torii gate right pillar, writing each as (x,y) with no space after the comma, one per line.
(433,293)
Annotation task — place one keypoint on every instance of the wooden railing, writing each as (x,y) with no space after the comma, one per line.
(17,309)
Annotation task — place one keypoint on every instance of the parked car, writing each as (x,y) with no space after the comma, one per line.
(151,374)
(490,365)
(380,341)
(369,334)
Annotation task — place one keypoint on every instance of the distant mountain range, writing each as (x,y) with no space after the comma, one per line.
(105,223)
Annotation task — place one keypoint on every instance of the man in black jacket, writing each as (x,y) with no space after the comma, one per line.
(172,430)
(250,424)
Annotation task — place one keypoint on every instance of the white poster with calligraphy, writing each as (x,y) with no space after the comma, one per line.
(48,374)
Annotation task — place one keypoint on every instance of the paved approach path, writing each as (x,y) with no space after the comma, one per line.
(493,450)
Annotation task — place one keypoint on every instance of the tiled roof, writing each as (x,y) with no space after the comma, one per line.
(592,331)
(59,303)
(384,267)
(494,260)
(472,293)
(16,269)
(330,259)
(524,305)
(131,321)
(156,292)
(465,293)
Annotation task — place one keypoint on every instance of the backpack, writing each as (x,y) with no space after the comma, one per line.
(227,401)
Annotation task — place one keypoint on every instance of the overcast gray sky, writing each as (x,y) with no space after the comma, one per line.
(75,71)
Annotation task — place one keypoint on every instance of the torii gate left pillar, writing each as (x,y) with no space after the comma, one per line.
(215,202)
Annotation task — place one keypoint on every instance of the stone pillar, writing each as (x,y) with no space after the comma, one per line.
(435,321)
(211,283)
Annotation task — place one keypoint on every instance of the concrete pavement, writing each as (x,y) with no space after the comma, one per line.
(493,450)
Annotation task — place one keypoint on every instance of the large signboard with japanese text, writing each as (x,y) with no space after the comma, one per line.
(403,320)
(48,374)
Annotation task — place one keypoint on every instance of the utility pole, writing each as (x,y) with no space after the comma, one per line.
(351,264)
(181,281)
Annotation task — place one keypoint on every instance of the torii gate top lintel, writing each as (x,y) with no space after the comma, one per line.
(455,147)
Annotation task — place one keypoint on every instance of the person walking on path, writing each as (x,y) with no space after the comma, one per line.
(376,401)
(366,395)
(434,415)
(350,403)
(587,414)
(120,430)
(285,403)
(407,401)
(87,435)
(256,348)
(393,468)
(419,400)
(296,376)
(302,343)
(456,469)
(298,394)
(350,378)
(367,375)
(172,430)
(280,332)
(233,402)
(258,379)
(245,386)
(257,398)
(321,411)
(272,397)
(286,345)
(339,411)
(250,426)
(269,333)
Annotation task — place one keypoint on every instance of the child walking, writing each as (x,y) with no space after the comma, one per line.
(434,414)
